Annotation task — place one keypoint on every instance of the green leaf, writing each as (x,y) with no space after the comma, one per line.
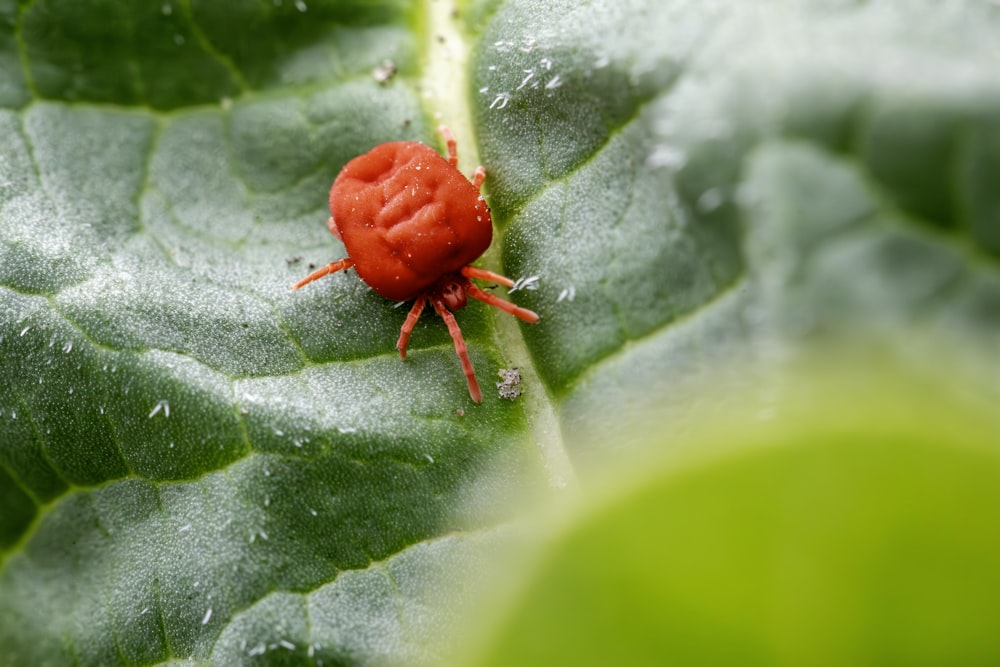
(197,463)
(860,533)
(722,183)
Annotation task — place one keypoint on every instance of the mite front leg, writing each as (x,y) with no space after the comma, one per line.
(523,313)
(460,349)
(332,267)
(411,321)
(483,274)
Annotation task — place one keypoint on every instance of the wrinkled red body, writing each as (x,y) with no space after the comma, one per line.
(407,217)
(412,225)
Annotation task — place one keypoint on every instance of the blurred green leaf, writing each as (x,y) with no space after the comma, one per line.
(855,531)
(198,464)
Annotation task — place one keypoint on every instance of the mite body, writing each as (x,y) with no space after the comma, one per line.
(412,224)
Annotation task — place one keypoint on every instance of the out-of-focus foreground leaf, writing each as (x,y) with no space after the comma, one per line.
(850,529)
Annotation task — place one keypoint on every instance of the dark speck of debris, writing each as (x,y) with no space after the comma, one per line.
(440,39)
(509,386)
(407,122)
(384,71)
(292,261)
(312,265)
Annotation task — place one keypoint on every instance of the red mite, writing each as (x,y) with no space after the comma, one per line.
(412,223)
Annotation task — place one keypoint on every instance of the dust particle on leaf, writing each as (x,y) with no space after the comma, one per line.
(509,386)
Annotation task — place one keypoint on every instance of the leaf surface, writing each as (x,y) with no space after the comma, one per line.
(197,463)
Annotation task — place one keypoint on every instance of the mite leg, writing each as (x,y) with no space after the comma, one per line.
(460,349)
(506,306)
(411,321)
(449,139)
(483,274)
(332,267)
(478,176)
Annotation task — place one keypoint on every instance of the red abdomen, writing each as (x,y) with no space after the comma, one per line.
(407,217)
